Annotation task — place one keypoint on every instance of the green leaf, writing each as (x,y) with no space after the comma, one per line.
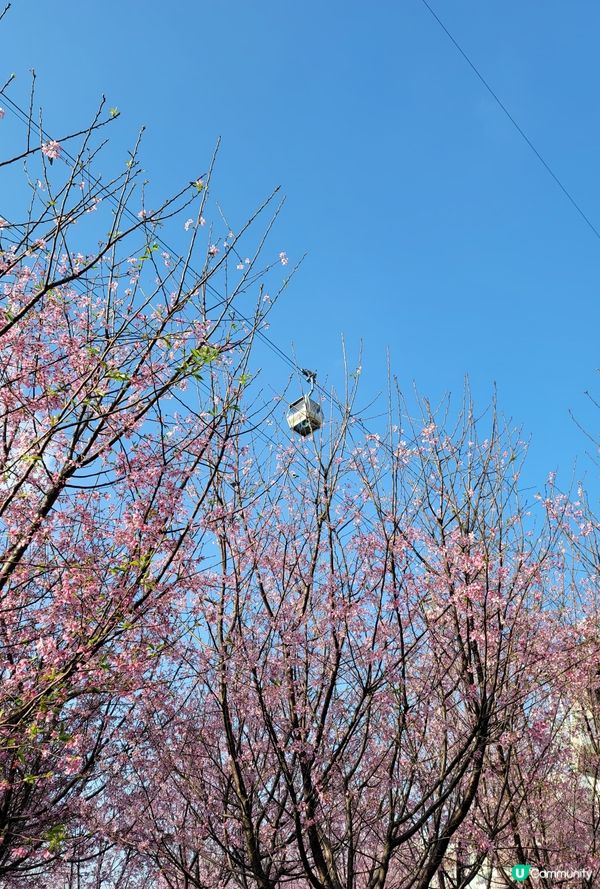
(114,112)
(150,249)
(204,354)
(55,836)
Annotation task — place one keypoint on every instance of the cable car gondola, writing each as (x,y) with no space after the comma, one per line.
(305,416)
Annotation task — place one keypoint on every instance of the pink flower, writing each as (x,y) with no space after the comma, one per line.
(3,222)
(202,220)
(240,266)
(1,113)
(142,214)
(213,250)
(51,149)
(188,224)
(283,258)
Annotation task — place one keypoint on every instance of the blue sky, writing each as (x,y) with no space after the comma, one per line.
(431,229)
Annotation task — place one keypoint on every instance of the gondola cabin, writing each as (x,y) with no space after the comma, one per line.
(305,416)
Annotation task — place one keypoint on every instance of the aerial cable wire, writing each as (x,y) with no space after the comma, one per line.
(513,120)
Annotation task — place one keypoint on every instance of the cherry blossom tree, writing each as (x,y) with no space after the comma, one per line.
(123,367)
(374,682)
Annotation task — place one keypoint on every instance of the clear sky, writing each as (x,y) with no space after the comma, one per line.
(431,228)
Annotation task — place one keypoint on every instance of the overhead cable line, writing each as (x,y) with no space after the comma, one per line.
(513,121)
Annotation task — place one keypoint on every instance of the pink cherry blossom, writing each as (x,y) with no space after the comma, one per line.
(51,149)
